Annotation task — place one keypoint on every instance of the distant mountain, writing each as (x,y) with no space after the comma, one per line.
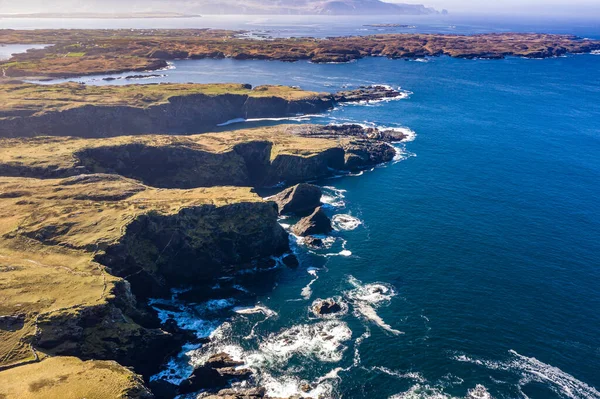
(323,7)
(292,7)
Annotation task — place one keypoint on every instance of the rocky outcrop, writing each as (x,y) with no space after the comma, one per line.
(326,307)
(315,223)
(217,372)
(196,245)
(300,199)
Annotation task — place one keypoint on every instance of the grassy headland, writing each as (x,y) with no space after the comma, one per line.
(110,51)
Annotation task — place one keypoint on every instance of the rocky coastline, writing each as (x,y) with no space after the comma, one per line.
(89,112)
(89,52)
(87,216)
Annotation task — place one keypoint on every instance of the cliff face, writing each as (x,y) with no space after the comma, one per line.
(196,113)
(67,246)
(252,158)
(195,246)
(82,253)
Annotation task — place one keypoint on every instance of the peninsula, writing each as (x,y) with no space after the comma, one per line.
(95,224)
(88,52)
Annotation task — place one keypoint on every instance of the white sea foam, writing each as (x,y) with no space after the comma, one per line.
(307,290)
(366,297)
(369,312)
(289,386)
(232,121)
(333,197)
(299,118)
(345,222)
(530,369)
(185,317)
(322,341)
(357,343)
(479,392)
(424,391)
(178,368)
(255,309)
(215,305)
(403,375)
(595,52)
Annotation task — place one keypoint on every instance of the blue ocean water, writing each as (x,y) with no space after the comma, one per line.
(475,269)
(487,233)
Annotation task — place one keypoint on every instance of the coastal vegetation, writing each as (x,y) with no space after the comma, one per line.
(91,228)
(113,51)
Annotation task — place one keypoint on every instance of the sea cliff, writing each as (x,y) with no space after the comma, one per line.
(92,228)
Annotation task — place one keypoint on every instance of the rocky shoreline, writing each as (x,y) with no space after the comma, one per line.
(114,51)
(86,111)
(65,202)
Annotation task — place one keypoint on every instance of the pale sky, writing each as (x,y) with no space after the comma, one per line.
(506,6)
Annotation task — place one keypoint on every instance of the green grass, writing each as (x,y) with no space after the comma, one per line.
(41,98)
(79,54)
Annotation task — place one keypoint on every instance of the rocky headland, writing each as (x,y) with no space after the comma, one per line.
(91,228)
(88,52)
(74,109)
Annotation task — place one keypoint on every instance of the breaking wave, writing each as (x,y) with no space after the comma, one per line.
(530,369)
(366,297)
(345,222)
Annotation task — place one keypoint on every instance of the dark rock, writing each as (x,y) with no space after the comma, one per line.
(326,306)
(367,93)
(316,223)
(252,393)
(231,373)
(313,241)
(291,261)
(135,77)
(300,199)
(221,360)
(163,389)
(203,377)
(349,130)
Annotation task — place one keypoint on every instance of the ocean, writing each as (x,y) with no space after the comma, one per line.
(469,267)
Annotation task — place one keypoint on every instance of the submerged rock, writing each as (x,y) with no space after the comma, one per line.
(316,223)
(291,261)
(300,199)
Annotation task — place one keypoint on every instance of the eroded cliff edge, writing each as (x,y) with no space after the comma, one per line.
(83,247)
(74,109)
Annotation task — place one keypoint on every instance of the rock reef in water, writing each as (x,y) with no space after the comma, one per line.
(300,199)
(325,307)
(314,224)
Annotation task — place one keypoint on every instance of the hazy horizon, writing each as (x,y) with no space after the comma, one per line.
(517,8)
